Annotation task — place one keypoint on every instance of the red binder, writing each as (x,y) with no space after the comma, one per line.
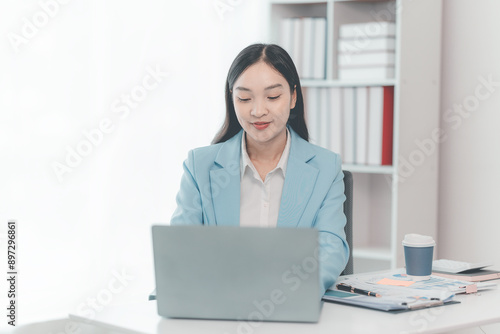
(387,126)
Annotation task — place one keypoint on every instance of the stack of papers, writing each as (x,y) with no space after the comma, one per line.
(392,298)
(434,283)
(399,293)
(454,267)
(366,51)
(464,271)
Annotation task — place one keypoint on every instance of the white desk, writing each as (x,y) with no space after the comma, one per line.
(474,310)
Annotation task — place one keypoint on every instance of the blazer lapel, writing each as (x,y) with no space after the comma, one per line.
(299,183)
(225,182)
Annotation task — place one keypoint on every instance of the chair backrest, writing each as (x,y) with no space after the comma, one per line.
(348,190)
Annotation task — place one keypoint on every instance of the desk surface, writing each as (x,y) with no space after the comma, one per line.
(474,310)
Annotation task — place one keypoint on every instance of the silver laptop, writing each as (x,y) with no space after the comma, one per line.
(237,273)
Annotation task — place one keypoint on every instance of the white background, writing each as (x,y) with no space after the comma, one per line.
(76,234)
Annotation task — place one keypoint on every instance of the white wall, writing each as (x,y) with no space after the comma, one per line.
(76,232)
(469,214)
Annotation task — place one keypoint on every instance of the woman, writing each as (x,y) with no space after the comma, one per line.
(260,169)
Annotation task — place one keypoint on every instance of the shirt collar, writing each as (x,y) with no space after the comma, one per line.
(246,162)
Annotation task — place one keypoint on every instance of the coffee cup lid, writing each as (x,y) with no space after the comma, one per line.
(418,240)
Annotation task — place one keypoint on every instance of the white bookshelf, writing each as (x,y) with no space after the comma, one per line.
(369,169)
(388,203)
(344,83)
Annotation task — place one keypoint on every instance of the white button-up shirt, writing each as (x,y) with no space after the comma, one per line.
(260,200)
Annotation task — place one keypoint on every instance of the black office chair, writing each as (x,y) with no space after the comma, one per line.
(348,185)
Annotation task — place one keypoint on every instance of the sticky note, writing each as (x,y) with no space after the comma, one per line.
(388,281)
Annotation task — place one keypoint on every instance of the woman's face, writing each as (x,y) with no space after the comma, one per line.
(262,101)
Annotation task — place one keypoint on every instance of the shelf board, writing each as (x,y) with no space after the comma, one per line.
(368,169)
(346,83)
(372,253)
(295,2)
(360,1)
(318,1)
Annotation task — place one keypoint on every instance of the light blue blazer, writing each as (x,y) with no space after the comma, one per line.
(312,196)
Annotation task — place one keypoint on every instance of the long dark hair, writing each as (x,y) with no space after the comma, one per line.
(276,57)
